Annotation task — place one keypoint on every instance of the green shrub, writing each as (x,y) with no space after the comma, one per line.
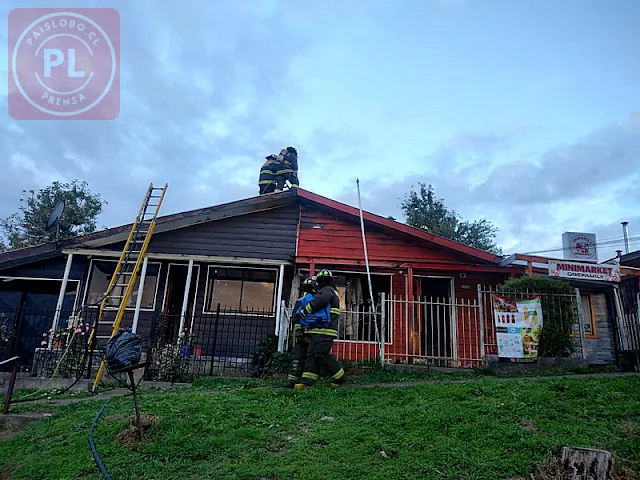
(558,310)
(266,360)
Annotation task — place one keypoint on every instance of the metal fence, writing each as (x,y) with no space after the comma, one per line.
(434,331)
(360,332)
(226,343)
(628,338)
(554,305)
(27,333)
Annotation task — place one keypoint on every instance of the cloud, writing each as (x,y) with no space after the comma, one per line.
(198,102)
(534,199)
(596,164)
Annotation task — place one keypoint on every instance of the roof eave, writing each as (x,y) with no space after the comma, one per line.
(399,227)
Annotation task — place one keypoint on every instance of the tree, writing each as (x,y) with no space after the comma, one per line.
(27,226)
(422,209)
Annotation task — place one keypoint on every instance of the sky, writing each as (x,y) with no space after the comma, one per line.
(525,113)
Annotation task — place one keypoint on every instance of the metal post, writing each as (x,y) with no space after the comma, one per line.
(583,345)
(625,232)
(12,383)
(383,325)
(481,322)
(215,338)
(279,299)
(63,289)
(135,403)
(619,315)
(143,275)
(185,300)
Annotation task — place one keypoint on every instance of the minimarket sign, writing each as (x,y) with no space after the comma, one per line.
(581,271)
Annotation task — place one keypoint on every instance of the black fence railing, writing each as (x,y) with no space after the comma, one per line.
(208,344)
(177,348)
(28,334)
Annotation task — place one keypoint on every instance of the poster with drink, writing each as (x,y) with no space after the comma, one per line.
(518,326)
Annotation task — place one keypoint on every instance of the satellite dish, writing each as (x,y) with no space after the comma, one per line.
(55,215)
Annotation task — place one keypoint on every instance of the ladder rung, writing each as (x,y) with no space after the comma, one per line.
(121,285)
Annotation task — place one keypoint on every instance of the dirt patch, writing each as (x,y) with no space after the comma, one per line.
(5,475)
(7,433)
(129,436)
(529,425)
(630,428)
(116,418)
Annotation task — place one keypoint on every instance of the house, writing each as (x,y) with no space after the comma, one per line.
(603,336)
(249,257)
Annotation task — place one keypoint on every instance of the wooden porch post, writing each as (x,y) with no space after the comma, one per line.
(415,329)
(63,289)
(143,275)
(185,300)
(279,299)
(312,269)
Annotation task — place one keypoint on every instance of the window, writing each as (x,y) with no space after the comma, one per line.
(356,317)
(101,273)
(586,303)
(240,289)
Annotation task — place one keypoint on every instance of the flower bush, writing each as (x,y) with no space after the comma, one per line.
(173,359)
(69,341)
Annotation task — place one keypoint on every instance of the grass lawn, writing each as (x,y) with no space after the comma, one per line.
(482,430)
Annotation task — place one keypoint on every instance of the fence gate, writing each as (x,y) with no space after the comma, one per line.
(430,331)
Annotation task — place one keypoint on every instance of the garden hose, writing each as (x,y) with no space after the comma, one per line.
(92,445)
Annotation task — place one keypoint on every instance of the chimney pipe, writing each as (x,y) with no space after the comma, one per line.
(618,253)
(625,231)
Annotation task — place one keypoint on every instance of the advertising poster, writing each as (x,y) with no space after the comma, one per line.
(518,326)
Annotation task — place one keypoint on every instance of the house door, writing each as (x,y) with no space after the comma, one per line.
(434,312)
(172,308)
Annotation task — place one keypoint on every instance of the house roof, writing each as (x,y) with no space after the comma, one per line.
(314,199)
(631,259)
(233,209)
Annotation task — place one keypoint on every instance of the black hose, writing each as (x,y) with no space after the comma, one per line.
(92,445)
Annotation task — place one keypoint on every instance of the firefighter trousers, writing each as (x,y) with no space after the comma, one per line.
(319,355)
(299,356)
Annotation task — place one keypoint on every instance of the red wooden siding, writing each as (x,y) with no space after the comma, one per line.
(326,237)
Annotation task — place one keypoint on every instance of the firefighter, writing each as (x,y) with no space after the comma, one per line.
(267,179)
(309,287)
(321,336)
(288,170)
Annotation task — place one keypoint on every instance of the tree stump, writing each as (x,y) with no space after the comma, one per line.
(587,464)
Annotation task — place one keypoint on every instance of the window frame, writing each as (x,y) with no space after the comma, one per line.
(195,293)
(110,308)
(241,267)
(592,320)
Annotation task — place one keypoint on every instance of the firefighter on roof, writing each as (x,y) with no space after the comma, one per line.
(321,333)
(288,169)
(267,179)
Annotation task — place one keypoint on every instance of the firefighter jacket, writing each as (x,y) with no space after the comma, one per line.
(319,319)
(268,172)
(289,164)
(326,296)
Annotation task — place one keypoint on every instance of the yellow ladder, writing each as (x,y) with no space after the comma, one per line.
(126,272)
